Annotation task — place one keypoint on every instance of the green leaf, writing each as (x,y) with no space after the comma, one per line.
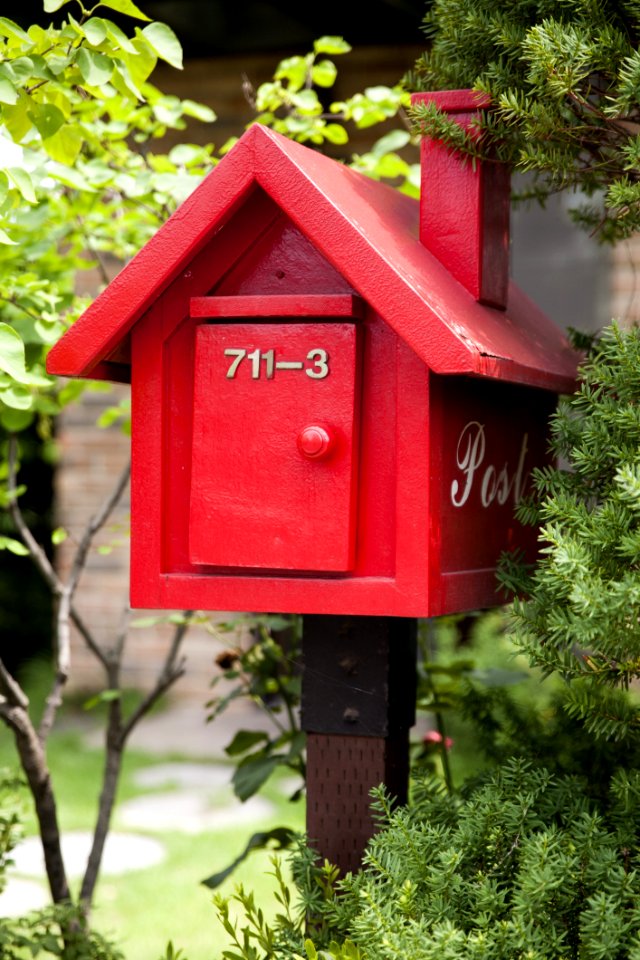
(8,93)
(13,546)
(198,111)
(16,118)
(164,42)
(331,45)
(118,37)
(105,696)
(281,836)
(244,740)
(324,73)
(306,101)
(6,239)
(65,145)
(22,180)
(10,29)
(95,68)
(297,745)
(395,140)
(16,420)
(135,70)
(12,359)
(147,621)
(391,165)
(47,119)
(69,177)
(336,133)
(184,154)
(50,6)
(251,774)
(58,536)
(124,84)
(95,30)
(167,110)
(122,6)
(16,396)
(294,70)
(23,68)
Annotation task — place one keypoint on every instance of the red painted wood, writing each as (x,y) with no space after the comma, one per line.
(396,566)
(367,232)
(162,402)
(249,498)
(486,438)
(263,496)
(282,305)
(464,206)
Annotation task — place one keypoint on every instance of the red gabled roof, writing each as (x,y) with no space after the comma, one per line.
(369,232)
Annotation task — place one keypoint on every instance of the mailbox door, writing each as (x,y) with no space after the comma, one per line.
(274,446)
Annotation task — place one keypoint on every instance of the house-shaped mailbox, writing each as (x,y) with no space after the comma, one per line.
(337,396)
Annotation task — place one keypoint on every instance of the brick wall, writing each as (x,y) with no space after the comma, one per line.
(625,282)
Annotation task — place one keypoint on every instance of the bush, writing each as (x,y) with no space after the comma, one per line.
(523,865)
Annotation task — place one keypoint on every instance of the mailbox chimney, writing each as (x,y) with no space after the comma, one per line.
(464,206)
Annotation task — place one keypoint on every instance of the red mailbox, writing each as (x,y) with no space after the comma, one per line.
(337,399)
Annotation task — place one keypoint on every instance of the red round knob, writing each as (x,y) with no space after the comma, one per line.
(314,442)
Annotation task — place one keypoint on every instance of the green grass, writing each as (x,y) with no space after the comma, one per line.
(143,909)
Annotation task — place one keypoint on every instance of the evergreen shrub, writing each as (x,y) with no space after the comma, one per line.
(577,612)
(525,865)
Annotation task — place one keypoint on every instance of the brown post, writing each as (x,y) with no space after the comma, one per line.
(358,703)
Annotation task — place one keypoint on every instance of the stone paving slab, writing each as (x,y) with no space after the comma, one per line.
(187,812)
(207,776)
(20,896)
(199,798)
(123,852)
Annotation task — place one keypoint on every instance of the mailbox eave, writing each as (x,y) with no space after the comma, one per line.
(368,232)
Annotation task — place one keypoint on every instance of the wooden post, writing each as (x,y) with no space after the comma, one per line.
(358,703)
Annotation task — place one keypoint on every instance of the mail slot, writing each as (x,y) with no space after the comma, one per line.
(274,410)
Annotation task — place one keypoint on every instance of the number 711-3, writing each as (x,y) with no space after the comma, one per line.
(315,364)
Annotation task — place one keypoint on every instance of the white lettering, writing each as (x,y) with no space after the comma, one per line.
(468,459)
(521,478)
(494,485)
(489,487)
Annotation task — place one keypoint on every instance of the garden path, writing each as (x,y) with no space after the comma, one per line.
(190,793)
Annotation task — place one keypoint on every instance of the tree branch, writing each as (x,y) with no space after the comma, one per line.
(64,616)
(37,553)
(117,734)
(13,710)
(96,522)
(171,671)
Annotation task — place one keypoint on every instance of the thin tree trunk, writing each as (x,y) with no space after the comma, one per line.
(110,780)
(34,764)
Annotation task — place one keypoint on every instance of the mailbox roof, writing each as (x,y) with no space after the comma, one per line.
(369,232)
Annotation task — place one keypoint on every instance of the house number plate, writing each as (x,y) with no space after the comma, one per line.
(315,364)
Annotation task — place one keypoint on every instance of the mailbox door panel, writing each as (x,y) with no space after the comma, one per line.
(274,446)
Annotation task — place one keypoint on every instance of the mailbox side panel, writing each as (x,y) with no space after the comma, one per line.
(486,438)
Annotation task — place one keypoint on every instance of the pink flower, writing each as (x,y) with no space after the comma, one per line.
(432,736)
